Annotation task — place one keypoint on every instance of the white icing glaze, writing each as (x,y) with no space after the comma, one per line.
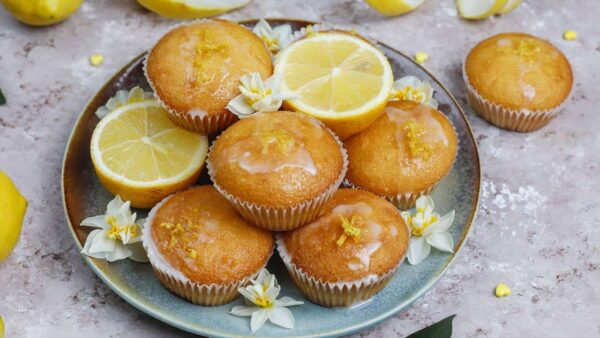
(528,91)
(433,129)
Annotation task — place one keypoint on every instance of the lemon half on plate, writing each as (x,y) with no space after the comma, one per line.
(336,77)
(394,7)
(191,9)
(479,9)
(141,155)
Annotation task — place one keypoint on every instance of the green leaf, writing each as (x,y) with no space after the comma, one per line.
(2,98)
(441,329)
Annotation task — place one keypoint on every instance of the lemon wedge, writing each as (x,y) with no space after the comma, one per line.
(394,7)
(12,210)
(336,77)
(510,6)
(41,12)
(191,9)
(479,9)
(141,155)
(1,327)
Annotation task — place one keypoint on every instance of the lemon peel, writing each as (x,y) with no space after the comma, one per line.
(479,9)
(394,7)
(12,211)
(41,12)
(502,290)
(191,9)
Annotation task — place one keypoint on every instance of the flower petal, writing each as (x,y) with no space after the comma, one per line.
(101,242)
(248,293)
(258,319)
(418,250)
(96,222)
(113,206)
(443,224)
(120,252)
(272,293)
(244,311)
(425,201)
(239,107)
(287,301)
(138,253)
(442,241)
(405,216)
(89,240)
(282,316)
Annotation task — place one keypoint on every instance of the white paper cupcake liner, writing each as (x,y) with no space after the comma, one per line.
(523,120)
(334,294)
(403,201)
(179,284)
(286,218)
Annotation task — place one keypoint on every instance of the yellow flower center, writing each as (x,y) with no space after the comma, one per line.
(414,138)
(261,95)
(409,93)
(115,230)
(281,139)
(271,43)
(262,301)
(350,229)
(416,230)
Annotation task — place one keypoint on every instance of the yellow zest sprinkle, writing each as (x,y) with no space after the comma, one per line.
(421,57)
(408,93)
(192,253)
(115,230)
(418,231)
(350,229)
(204,50)
(414,134)
(96,59)
(502,290)
(527,49)
(570,35)
(283,141)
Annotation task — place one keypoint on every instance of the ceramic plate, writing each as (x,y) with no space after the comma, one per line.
(84,196)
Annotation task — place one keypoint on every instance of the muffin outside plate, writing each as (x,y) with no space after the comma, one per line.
(201,249)
(517,81)
(403,154)
(349,253)
(195,70)
(278,169)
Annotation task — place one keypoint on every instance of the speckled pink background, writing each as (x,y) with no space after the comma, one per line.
(538,229)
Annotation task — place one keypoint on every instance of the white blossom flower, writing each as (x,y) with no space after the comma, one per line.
(257,96)
(275,38)
(123,97)
(412,88)
(118,235)
(428,229)
(262,303)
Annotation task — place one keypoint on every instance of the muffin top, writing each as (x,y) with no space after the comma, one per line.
(359,235)
(276,159)
(519,71)
(196,68)
(408,149)
(200,235)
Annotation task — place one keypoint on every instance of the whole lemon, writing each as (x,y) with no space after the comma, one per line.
(12,211)
(41,12)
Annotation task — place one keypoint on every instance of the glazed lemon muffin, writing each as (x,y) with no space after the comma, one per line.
(201,249)
(195,70)
(517,81)
(277,168)
(349,253)
(403,154)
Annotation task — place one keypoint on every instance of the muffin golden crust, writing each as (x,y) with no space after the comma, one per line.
(519,71)
(200,235)
(276,159)
(195,69)
(359,235)
(410,148)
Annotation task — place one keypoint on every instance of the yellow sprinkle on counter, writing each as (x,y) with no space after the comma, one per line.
(96,60)
(502,290)
(421,57)
(570,35)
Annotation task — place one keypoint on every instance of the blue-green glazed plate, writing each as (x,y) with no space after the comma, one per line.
(84,196)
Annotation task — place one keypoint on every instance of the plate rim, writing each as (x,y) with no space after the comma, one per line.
(150,310)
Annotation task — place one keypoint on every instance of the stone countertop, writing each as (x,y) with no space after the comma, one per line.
(538,227)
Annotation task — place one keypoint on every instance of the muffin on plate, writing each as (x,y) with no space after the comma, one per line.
(403,154)
(517,81)
(278,169)
(195,70)
(201,249)
(349,253)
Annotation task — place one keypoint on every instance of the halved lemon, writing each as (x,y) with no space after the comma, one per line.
(336,77)
(479,9)
(394,7)
(509,6)
(141,155)
(191,9)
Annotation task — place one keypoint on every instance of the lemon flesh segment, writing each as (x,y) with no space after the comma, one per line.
(41,12)
(510,6)
(479,9)
(12,211)
(191,9)
(140,154)
(394,7)
(337,78)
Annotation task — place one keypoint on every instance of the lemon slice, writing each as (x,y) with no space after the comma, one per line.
(394,7)
(191,9)
(339,78)
(12,210)
(141,155)
(479,9)
(41,12)
(509,6)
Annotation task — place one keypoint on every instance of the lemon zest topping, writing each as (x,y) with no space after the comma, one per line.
(350,229)
(414,135)
(192,253)
(527,49)
(205,50)
(416,230)
(421,58)
(283,141)
(115,230)
(502,290)
(570,35)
